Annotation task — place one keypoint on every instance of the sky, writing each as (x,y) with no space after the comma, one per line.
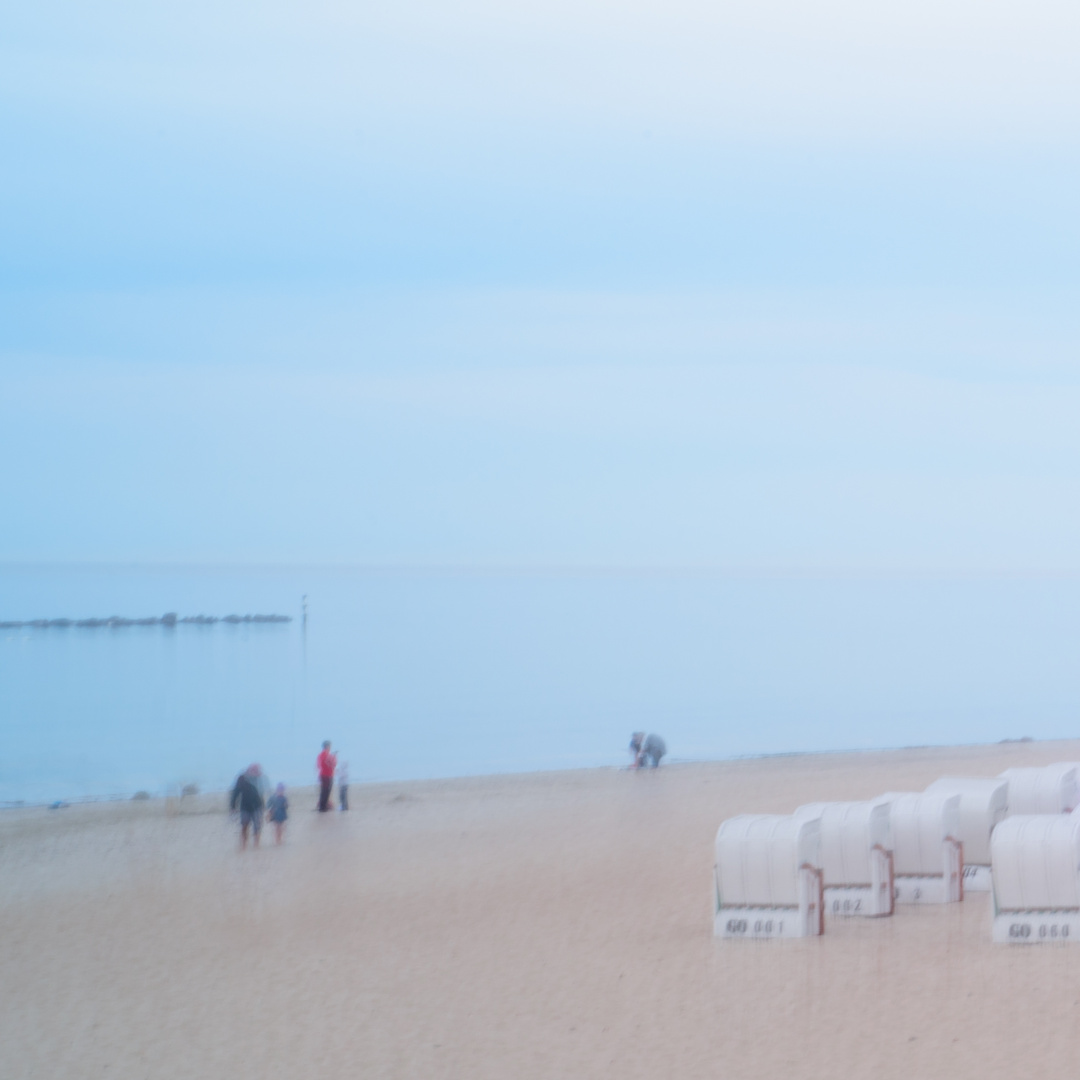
(756,284)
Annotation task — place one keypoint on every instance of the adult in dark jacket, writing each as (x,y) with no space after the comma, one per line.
(247,797)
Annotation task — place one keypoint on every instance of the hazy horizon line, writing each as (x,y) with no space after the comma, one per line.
(560,567)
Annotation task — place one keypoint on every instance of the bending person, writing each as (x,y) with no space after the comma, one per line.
(646,750)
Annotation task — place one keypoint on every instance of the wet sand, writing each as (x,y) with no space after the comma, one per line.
(547,925)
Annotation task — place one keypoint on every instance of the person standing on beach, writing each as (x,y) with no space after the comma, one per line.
(343,785)
(327,765)
(248,799)
(260,780)
(277,811)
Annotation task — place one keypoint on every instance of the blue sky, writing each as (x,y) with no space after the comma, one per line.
(756,284)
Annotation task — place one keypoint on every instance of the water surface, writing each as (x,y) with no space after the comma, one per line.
(426,673)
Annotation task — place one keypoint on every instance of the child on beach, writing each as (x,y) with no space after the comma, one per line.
(343,785)
(277,811)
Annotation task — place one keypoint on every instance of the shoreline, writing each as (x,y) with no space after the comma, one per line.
(673,763)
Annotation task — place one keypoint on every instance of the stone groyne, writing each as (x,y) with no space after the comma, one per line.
(113,621)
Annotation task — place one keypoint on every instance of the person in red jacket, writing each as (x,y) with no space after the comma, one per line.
(326,764)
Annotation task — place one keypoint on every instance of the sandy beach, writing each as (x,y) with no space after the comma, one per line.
(527,926)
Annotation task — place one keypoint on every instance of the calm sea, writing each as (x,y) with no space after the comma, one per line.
(424,674)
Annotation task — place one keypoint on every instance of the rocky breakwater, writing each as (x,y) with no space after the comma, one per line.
(170,618)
